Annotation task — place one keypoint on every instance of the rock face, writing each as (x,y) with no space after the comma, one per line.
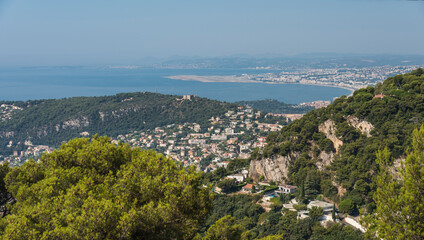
(327,159)
(76,123)
(275,168)
(340,190)
(363,126)
(7,134)
(329,129)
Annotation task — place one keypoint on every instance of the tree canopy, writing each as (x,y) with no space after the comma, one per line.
(95,189)
(400,204)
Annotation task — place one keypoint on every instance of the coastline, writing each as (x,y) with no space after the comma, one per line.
(237,79)
(213,78)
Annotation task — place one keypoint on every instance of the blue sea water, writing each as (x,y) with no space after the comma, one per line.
(61,82)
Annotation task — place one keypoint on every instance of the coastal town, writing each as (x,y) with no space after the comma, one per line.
(233,135)
(348,78)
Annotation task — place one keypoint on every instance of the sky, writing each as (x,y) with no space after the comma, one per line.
(85,32)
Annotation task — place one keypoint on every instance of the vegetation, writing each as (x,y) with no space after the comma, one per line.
(95,189)
(50,122)
(250,221)
(226,228)
(400,204)
(274,106)
(348,206)
(352,175)
(316,212)
(227,185)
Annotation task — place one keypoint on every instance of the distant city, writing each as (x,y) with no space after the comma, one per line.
(348,78)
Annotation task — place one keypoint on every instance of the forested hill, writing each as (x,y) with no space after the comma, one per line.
(274,106)
(49,122)
(333,150)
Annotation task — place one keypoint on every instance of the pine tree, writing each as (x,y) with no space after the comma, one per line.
(400,205)
(96,189)
(301,196)
(333,214)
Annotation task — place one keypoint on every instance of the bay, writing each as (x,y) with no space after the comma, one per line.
(62,82)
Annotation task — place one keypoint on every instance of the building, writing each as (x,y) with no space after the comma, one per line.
(285,189)
(238,177)
(189,97)
(381,96)
(248,188)
(223,164)
(245,173)
(326,207)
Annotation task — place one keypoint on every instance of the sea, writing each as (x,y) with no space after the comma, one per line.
(31,83)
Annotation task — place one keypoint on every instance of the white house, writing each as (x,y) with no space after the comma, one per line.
(238,177)
(327,207)
(285,189)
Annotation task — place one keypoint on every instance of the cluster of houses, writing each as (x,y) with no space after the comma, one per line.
(283,189)
(6,111)
(270,192)
(344,77)
(32,151)
(233,135)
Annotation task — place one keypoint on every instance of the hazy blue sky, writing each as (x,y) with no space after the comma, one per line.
(57,32)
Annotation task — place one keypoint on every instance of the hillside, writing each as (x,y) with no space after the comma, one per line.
(274,106)
(49,122)
(333,150)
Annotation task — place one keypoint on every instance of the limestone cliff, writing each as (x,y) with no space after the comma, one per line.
(275,168)
(326,159)
(329,129)
(363,126)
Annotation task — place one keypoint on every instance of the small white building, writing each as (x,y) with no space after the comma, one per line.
(285,189)
(327,207)
(245,173)
(238,177)
(223,164)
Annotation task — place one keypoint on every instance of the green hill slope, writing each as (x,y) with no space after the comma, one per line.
(274,106)
(49,122)
(333,150)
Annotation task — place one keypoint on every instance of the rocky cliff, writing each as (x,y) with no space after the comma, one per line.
(329,129)
(363,126)
(275,168)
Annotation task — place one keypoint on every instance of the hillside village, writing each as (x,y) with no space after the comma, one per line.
(232,135)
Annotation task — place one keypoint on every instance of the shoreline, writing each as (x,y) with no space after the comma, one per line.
(237,79)
(213,78)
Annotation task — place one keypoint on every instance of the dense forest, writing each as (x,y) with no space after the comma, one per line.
(50,122)
(374,118)
(274,106)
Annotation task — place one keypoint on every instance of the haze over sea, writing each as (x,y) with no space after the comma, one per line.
(61,82)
